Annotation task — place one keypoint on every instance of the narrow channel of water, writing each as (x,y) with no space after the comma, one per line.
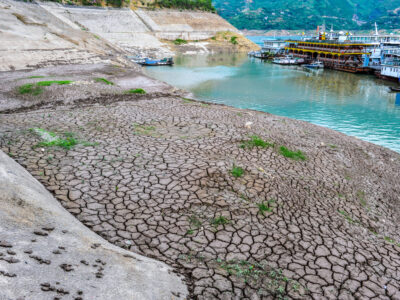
(357,105)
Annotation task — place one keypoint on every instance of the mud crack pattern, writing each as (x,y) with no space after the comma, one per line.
(158,182)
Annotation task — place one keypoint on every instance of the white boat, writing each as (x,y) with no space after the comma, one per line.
(315,65)
(288,60)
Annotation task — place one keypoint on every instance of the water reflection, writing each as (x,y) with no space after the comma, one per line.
(358,105)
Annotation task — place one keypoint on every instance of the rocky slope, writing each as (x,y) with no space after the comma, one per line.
(44,34)
(45,253)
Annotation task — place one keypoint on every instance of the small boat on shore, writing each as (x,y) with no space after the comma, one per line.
(288,60)
(156,62)
(394,89)
(315,65)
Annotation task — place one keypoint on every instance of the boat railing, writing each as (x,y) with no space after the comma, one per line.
(339,51)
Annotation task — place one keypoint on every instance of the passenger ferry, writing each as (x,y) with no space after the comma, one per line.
(390,71)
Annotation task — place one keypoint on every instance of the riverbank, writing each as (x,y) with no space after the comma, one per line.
(39,34)
(242,203)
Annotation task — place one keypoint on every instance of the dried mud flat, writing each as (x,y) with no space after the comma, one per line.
(158,175)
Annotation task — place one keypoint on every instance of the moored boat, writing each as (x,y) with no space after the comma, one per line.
(288,60)
(315,65)
(395,89)
(156,62)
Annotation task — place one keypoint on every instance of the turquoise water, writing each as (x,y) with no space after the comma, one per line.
(357,105)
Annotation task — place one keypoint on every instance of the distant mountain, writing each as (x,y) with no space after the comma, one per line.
(308,14)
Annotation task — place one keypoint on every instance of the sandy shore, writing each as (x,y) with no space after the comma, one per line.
(184,182)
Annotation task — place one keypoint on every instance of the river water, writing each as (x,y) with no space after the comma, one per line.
(357,105)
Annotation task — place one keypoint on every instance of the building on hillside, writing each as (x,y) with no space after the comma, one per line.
(344,56)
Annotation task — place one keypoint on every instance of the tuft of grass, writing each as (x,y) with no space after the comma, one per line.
(266,206)
(187,100)
(180,42)
(388,239)
(100,79)
(29,88)
(237,171)
(255,141)
(296,155)
(37,76)
(234,40)
(66,143)
(221,220)
(50,82)
(51,139)
(136,91)
(361,196)
(347,217)
(194,221)
(145,130)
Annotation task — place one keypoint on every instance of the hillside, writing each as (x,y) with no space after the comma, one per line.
(308,14)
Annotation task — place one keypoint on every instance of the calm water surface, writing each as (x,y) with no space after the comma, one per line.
(357,105)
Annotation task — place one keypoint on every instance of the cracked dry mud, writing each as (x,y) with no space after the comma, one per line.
(159,182)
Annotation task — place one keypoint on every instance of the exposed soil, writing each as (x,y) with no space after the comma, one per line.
(154,174)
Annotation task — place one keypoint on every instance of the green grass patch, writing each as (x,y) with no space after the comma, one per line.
(103,80)
(29,88)
(266,206)
(255,141)
(347,217)
(36,76)
(50,82)
(145,130)
(180,42)
(361,196)
(234,40)
(267,280)
(66,143)
(51,139)
(187,100)
(237,171)
(221,220)
(136,91)
(296,155)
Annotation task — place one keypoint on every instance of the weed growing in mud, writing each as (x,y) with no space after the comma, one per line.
(255,141)
(187,100)
(234,40)
(50,139)
(66,143)
(221,220)
(266,206)
(237,171)
(361,196)
(50,82)
(347,217)
(145,130)
(296,155)
(269,280)
(100,79)
(36,76)
(29,88)
(180,42)
(136,91)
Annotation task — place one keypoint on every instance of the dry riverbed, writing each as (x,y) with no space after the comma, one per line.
(245,204)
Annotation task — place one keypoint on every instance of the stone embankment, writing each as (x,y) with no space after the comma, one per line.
(244,204)
(46,253)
